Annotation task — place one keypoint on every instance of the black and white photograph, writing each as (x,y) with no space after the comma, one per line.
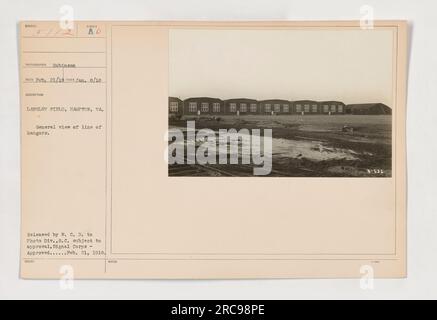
(294,103)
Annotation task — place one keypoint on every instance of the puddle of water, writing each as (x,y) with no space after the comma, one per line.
(311,150)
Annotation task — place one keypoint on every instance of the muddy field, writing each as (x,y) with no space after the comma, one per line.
(307,146)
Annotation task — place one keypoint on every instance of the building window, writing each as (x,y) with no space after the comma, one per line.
(174,106)
(325,108)
(243,107)
(333,108)
(253,107)
(286,108)
(192,107)
(277,107)
(268,107)
(307,108)
(315,108)
(233,107)
(205,107)
(216,107)
(298,108)
(340,108)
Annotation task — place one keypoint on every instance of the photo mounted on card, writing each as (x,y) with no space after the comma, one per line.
(213,150)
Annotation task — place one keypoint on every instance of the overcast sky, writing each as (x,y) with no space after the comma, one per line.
(354,66)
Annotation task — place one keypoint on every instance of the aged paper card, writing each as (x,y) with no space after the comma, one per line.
(210,150)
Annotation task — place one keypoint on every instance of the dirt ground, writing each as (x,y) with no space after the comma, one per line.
(307,146)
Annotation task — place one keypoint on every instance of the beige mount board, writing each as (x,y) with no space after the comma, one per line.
(99,201)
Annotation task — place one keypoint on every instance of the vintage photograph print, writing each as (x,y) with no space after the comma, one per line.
(292,102)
